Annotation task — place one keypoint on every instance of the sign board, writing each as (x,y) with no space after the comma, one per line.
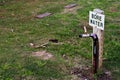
(96,20)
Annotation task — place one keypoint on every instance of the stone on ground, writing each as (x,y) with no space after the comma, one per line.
(43,15)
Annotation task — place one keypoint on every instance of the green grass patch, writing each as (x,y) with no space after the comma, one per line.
(19,27)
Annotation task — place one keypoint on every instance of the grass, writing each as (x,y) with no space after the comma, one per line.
(19,27)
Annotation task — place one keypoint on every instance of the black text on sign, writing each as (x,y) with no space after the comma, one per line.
(96,20)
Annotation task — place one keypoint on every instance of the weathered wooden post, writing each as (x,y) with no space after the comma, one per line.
(96,20)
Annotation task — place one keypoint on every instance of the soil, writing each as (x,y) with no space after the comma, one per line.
(42,55)
(87,74)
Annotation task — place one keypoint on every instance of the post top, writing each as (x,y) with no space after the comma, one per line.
(98,11)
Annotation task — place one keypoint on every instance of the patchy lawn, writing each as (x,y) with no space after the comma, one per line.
(22,34)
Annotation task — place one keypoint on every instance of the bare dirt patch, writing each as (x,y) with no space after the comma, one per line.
(86,73)
(82,70)
(42,55)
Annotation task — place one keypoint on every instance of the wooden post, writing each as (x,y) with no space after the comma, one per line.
(100,34)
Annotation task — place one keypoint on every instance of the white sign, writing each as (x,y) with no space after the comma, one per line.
(96,20)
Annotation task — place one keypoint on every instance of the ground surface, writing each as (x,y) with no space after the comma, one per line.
(21,35)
